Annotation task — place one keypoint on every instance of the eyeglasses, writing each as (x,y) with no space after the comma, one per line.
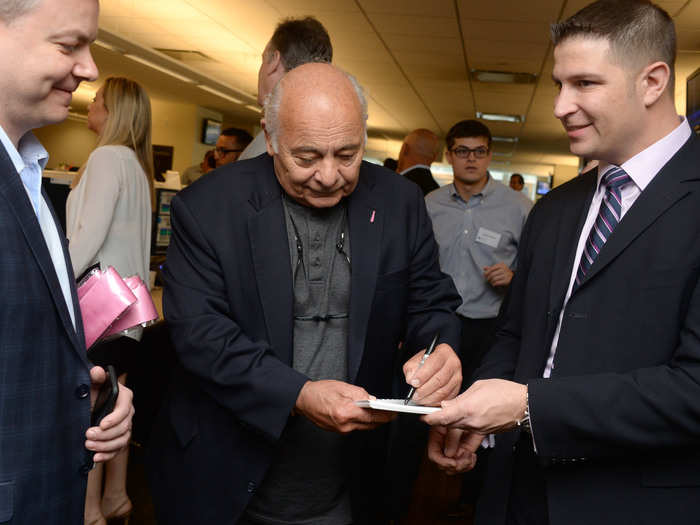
(226,151)
(463,152)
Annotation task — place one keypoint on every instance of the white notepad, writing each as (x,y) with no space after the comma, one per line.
(396,405)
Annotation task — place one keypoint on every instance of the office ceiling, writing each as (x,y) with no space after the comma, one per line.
(412,56)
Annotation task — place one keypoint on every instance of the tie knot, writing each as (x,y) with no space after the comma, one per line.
(615,178)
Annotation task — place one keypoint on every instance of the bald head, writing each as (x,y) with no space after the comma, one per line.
(323,86)
(315,130)
(419,147)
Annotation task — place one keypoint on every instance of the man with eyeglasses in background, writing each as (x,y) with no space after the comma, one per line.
(477,222)
(230,144)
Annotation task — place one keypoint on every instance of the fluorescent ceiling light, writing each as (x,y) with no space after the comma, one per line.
(254,108)
(505,139)
(162,69)
(107,46)
(500,117)
(503,77)
(219,94)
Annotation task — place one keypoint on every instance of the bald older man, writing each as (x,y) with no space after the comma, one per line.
(419,150)
(289,287)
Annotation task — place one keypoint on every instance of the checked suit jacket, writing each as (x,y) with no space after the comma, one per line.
(44,373)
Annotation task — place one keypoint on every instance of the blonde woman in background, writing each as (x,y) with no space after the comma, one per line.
(108,220)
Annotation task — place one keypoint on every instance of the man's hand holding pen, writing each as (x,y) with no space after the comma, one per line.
(439,378)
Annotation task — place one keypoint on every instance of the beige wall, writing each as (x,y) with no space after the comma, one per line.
(69,142)
(174,124)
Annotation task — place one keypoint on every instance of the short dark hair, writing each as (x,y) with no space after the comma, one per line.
(467,129)
(517,176)
(300,41)
(635,29)
(242,136)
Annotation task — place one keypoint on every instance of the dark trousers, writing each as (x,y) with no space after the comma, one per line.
(527,504)
(477,336)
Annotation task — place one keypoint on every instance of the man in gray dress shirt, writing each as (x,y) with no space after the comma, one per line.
(477,223)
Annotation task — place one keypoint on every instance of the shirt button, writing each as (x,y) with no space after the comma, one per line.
(466,232)
(82,391)
(251,486)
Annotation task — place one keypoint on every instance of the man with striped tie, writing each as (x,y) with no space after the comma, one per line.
(593,383)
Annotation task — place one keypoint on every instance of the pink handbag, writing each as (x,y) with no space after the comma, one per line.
(103,298)
(141,312)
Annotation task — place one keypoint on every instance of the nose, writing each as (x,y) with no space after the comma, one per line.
(327,173)
(85,67)
(564,103)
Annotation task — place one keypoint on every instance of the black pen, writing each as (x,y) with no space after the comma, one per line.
(425,356)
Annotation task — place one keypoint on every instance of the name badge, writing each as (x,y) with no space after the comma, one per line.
(488,237)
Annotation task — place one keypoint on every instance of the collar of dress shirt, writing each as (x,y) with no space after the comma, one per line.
(486,190)
(644,166)
(414,167)
(31,154)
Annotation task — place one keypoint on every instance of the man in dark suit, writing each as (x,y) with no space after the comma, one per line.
(45,377)
(418,151)
(291,279)
(595,372)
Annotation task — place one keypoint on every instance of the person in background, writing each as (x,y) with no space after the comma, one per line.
(390,163)
(419,150)
(109,222)
(46,383)
(478,222)
(594,378)
(192,173)
(291,278)
(294,42)
(516,182)
(229,145)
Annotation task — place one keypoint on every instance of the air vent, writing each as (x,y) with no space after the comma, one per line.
(188,56)
(504,77)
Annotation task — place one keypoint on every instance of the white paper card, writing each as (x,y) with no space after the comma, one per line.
(488,237)
(396,405)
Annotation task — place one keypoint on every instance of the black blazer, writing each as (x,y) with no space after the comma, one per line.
(617,427)
(228,302)
(424,179)
(44,374)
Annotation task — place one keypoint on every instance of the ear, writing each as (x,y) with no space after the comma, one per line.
(268,140)
(275,63)
(654,81)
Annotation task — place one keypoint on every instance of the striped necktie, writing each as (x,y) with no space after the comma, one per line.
(609,215)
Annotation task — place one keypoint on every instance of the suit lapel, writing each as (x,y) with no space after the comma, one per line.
(269,245)
(366,222)
(571,223)
(12,189)
(663,192)
(77,334)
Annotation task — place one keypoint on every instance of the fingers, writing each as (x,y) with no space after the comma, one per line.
(97,377)
(122,408)
(107,443)
(439,378)
(448,450)
(331,406)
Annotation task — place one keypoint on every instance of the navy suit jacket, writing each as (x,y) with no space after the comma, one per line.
(229,306)
(44,374)
(617,426)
